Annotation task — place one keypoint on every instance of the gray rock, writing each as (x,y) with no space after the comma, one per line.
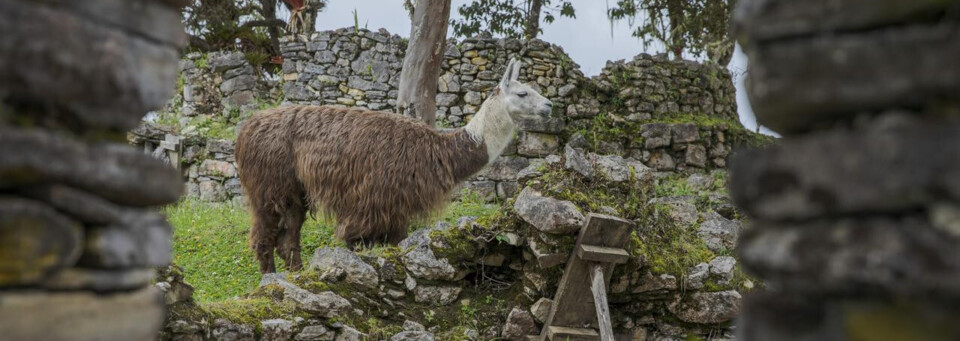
(519,325)
(412,326)
(537,144)
(138,246)
(315,332)
(696,155)
(718,232)
(436,295)
(109,85)
(541,308)
(413,336)
(554,125)
(655,135)
(723,267)
(226,330)
(707,307)
(357,271)
(697,275)
(661,160)
(91,314)
(653,284)
(101,280)
(325,304)
(224,61)
(685,132)
(422,262)
(547,214)
(614,167)
(350,334)
(504,168)
(576,161)
(276,330)
(239,83)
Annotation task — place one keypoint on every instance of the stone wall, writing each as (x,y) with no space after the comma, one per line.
(670,115)
(855,213)
(79,231)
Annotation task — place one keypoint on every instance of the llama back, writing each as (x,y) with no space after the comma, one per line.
(375,171)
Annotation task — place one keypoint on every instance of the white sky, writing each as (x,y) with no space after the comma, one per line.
(590,39)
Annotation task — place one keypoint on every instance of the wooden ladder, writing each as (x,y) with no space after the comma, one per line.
(575,315)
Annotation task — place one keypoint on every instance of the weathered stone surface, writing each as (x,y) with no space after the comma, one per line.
(547,214)
(576,161)
(707,307)
(537,144)
(111,84)
(553,125)
(540,309)
(113,171)
(357,271)
(436,295)
(882,171)
(145,245)
(226,330)
(519,325)
(325,304)
(697,275)
(696,155)
(802,83)
(723,267)
(700,182)
(218,168)
(276,330)
(504,168)
(131,316)
(655,135)
(34,241)
(718,233)
(422,262)
(98,280)
(661,160)
(89,208)
(350,334)
(413,336)
(616,169)
(315,332)
(411,326)
(685,132)
(760,21)
(866,255)
(680,210)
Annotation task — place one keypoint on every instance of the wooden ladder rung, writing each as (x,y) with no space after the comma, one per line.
(573,334)
(602,254)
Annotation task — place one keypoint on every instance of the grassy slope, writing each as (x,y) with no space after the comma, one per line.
(210,243)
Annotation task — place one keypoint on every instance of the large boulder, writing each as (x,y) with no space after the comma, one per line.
(340,259)
(519,325)
(707,307)
(547,214)
(422,262)
(327,303)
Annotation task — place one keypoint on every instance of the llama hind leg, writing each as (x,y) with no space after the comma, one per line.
(263,239)
(288,244)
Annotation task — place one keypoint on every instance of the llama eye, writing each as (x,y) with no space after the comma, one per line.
(521,94)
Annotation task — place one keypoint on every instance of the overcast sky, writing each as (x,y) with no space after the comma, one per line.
(590,39)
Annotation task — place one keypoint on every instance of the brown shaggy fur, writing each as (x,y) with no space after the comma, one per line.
(373,171)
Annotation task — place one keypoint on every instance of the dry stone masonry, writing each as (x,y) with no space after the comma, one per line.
(79,232)
(670,115)
(855,213)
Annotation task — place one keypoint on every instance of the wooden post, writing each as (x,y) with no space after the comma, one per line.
(417,96)
(599,288)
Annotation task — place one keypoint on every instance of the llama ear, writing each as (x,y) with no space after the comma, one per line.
(515,74)
(505,81)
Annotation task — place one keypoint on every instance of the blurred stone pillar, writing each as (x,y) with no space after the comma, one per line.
(79,231)
(856,212)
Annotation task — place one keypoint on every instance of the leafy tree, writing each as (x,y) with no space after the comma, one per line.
(696,26)
(511,18)
(250,26)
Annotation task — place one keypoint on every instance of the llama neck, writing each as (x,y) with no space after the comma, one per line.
(492,126)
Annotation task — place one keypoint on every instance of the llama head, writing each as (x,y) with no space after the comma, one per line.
(520,100)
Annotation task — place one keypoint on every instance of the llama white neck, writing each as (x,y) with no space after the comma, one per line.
(493,126)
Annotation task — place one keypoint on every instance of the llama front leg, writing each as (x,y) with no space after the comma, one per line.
(263,239)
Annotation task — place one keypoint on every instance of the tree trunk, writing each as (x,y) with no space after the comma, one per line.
(417,96)
(675,15)
(532,28)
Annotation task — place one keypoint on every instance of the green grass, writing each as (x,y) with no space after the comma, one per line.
(210,242)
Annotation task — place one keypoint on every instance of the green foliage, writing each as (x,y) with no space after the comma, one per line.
(695,26)
(509,18)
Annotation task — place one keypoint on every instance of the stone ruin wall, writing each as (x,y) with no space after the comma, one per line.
(79,233)
(664,112)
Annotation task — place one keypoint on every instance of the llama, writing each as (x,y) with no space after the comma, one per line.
(373,171)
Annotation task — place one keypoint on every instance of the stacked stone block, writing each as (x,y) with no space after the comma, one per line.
(855,212)
(79,237)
